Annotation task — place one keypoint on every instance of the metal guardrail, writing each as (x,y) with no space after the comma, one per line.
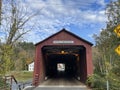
(9,80)
(23,85)
(12,80)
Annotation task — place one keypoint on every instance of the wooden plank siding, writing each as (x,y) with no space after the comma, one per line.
(63,35)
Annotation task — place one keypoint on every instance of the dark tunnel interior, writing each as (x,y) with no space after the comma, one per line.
(64,61)
(67,60)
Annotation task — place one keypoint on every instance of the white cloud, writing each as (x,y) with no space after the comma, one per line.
(102,12)
(57,14)
(91,17)
(101,2)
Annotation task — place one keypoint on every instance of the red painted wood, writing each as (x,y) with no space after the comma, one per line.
(39,71)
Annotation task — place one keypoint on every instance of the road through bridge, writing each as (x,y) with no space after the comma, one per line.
(60,84)
(62,55)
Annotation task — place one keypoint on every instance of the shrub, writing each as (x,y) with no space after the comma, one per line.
(96,82)
(3,85)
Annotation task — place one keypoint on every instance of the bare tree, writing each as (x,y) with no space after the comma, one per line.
(15,17)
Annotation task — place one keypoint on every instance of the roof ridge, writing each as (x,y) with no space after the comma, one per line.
(67,32)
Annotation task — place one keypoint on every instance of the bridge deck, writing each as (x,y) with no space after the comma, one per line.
(60,84)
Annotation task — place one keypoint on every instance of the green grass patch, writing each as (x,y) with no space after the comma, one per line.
(22,76)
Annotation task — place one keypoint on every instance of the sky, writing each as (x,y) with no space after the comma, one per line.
(81,17)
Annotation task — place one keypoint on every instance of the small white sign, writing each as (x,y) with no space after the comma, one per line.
(63,42)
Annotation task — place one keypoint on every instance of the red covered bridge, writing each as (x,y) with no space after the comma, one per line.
(66,50)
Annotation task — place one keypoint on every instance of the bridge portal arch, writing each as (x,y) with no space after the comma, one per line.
(63,54)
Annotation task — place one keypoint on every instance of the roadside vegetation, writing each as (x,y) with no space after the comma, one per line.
(106,61)
(22,56)
(3,86)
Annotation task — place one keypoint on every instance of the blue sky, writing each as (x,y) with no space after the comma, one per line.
(81,17)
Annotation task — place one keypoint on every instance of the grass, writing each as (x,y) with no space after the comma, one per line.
(22,76)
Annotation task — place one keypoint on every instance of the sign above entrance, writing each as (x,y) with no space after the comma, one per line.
(63,42)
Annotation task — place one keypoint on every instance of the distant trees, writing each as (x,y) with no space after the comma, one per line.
(106,61)
(24,55)
(16,58)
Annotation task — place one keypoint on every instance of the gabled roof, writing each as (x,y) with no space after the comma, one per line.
(64,30)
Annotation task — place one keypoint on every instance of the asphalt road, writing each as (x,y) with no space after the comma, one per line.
(60,84)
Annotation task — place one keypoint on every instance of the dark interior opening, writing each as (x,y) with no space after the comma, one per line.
(68,60)
(71,60)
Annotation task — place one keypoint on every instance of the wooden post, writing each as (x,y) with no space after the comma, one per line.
(10,82)
(5,82)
